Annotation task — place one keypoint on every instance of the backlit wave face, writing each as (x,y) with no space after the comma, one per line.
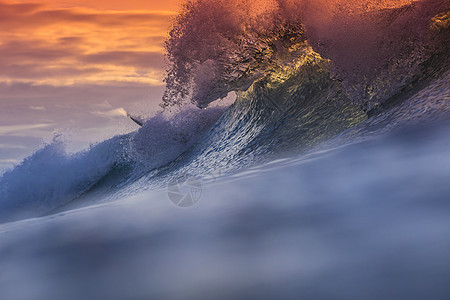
(220,46)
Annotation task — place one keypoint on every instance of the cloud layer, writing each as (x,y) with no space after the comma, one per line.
(76,67)
(44,44)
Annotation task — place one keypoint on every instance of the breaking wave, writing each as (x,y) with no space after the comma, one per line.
(375,48)
(51,177)
(307,75)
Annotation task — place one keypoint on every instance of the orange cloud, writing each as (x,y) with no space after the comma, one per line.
(44,44)
(170,5)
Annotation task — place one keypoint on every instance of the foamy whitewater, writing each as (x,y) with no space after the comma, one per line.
(327,178)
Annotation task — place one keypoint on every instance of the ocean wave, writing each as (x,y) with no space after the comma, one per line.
(376,48)
(51,177)
(301,80)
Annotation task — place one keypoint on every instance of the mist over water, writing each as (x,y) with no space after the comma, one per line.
(368,220)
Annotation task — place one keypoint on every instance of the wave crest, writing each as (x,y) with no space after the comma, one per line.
(376,47)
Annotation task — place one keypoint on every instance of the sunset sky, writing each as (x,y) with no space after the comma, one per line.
(73,67)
